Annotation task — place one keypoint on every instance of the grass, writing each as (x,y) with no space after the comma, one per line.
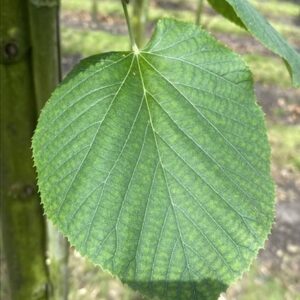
(88,282)
(270,8)
(285,141)
(214,23)
(87,42)
(277,8)
(105,6)
(268,70)
(256,285)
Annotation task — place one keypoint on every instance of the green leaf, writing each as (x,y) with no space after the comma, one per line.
(244,14)
(155,164)
(225,9)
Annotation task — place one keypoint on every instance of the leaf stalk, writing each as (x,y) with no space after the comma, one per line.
(130,32)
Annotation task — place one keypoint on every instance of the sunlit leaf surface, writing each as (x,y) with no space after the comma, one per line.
(155,164)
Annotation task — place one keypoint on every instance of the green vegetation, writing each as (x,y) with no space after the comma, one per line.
(125,168)
(112,199)
(95,284)
(256,285)
(22,224)
(269,8)
(243,14)
(268,70)
(87,42)
(277,8)
(285,143)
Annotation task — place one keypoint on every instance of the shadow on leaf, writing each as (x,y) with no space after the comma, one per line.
(206,289)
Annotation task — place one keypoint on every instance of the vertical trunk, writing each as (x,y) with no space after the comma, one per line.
(58,250)
(140,15)
(94,11)
(30,70)
(199,11)
(44,32)
(22,224)
(44,21)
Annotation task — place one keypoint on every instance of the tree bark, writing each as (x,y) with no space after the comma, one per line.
(22,223)
(94,11)
(30,70)
(45,41)
(199,11)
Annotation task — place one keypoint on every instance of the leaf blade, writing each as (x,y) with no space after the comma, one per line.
(148,183)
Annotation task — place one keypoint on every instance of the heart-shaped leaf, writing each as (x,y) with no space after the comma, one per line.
(155,164)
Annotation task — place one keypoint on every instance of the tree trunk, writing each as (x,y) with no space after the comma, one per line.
(30,70)
(140,15)
(94,11)
(22,224)
(199,11)
(44,21)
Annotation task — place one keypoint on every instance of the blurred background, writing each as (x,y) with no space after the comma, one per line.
(94,26)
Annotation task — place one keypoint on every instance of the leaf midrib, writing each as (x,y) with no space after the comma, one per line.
(161,164)
(172,204)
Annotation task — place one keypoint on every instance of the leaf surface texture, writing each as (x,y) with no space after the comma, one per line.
(155,164)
